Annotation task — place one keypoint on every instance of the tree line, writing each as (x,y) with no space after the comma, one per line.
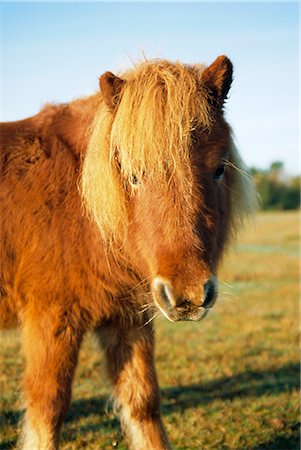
(276,189)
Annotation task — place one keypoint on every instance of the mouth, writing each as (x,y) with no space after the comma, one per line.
(176,315)
(184,313)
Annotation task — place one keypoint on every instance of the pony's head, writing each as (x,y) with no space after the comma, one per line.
(162,178)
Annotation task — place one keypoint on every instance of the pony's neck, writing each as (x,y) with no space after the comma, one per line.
(72,122)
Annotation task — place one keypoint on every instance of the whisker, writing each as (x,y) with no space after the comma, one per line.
(149,320)
(144,280)
(137,295)
(239,169)
(226,284)
(143,310)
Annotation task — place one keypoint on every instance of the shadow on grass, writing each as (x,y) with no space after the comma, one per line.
(291,442)
(8,444)
(9,418)
(178,399)
(86,407)
(246,384)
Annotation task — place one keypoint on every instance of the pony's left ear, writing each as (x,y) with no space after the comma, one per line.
(110,87)
(218,78)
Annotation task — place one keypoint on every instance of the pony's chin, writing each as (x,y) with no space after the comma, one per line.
(176,316)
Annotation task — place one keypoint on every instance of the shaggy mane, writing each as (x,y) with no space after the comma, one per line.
(161,104)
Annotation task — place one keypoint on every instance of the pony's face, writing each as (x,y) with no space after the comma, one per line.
(160,170)
(178,228)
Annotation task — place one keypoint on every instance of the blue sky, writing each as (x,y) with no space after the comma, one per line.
(57,51)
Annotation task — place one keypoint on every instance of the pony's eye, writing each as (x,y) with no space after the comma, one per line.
(134,181)
(218,174)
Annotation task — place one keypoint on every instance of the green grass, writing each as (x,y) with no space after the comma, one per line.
(230,382)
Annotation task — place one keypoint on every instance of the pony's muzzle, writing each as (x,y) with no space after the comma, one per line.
(182,307)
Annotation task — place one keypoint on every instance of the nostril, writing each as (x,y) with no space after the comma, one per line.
(164,292)
(210,294)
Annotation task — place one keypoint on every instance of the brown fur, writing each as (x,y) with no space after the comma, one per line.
(144,152)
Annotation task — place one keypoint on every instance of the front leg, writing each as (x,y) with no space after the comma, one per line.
(51,344)
(130,360)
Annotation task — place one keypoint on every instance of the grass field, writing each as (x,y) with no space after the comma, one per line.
(230,382)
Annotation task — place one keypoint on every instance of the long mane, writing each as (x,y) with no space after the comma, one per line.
(161,104)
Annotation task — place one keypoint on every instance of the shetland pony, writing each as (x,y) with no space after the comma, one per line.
(113,208)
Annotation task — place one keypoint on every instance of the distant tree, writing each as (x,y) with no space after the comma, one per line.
(291,195)
(277,166)
(276,190)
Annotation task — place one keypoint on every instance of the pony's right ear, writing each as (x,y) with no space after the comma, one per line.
(110,87)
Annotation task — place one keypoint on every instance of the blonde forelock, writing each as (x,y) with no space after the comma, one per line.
(161,104)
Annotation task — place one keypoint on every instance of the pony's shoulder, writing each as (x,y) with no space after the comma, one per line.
(65,124)
(24,142)
(20,131)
